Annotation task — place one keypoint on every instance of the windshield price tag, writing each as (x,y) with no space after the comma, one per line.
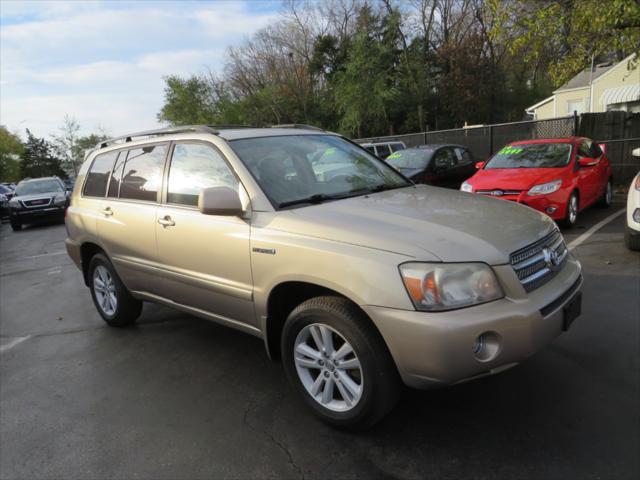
(510,150)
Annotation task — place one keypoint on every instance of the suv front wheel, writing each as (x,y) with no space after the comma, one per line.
(112,299)
(339,364)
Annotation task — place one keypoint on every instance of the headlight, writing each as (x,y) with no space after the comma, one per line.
(546,188)
(59,199)
(466,187)
(445,286)
(14,203)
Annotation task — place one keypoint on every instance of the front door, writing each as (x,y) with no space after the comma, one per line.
(588,177)
(206,258)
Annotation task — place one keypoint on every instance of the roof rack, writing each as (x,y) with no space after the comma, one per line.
(213,129)
(298,125)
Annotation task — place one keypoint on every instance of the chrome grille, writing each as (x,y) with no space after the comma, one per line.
(497,192)
(539,262)
(37,202)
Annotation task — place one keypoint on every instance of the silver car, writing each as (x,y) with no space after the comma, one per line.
(357,280)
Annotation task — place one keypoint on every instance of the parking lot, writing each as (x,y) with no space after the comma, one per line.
(180,397)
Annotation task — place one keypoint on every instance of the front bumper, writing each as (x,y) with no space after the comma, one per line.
(435,349)
(554,204)
(29,215)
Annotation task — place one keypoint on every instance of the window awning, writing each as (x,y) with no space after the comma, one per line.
(628,93)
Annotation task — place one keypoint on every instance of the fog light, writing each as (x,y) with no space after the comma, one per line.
(636,215)
(487,346)
(551,209)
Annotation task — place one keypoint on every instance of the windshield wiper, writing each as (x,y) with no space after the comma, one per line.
(315,198)
(383,187)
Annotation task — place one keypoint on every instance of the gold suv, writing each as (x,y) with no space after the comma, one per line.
(354,277)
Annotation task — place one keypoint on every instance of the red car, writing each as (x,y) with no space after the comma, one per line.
(560,176)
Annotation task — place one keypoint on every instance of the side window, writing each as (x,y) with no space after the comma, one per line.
(462,156)
(116,176)
(195,166)
(98,175)
(383,150)
(584,149)
(444,159)
(142,176)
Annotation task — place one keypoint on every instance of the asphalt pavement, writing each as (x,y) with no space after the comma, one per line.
(180,397)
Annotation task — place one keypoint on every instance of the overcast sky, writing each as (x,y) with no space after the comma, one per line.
(102,62)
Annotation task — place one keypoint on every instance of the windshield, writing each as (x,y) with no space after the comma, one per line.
(39,186)
(300,169)
(410,158)
(532,155)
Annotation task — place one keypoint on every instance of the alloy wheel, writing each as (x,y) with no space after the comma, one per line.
(328,367)
(573,209)
(609,194)
(105,290)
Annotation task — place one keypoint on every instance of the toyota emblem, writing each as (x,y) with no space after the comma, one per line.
(550,258)
(497,193)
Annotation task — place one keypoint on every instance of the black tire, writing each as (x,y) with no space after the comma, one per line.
(607,197)
(570,220)
(631,240)
(15,226)
(127,308)
(381,384)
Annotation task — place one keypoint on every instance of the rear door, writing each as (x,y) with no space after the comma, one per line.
(127,216)
(205,258)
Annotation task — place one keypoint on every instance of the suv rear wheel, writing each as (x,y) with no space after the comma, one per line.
(112,299)
(338,363)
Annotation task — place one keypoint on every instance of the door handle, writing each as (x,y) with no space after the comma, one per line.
(166,221)
(107,211)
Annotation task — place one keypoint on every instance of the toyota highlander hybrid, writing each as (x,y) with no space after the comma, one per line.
(357,284)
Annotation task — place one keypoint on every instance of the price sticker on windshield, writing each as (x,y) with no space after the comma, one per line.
(394,155)
(510,150)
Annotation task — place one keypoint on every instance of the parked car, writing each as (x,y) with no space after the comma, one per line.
(356,284)
(632,227)
(4,206)
(384,149)
(440,165)
(6,191)
(38,199)
(560,177)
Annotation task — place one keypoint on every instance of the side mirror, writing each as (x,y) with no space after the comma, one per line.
(587,162)
(220,201)
(636,152)
(479,165)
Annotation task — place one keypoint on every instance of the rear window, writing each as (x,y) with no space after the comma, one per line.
(98,176)
(142,176)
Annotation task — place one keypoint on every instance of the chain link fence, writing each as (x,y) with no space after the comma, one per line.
(618,131)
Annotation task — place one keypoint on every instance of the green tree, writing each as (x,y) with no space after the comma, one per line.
(11,149)
(38,159)
(569,33)
(366,88)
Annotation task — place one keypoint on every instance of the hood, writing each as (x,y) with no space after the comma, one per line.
(410,172)
(423,222)
(513,178)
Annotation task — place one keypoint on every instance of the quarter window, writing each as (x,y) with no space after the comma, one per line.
(98,176)
(142,175)
(195,166)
